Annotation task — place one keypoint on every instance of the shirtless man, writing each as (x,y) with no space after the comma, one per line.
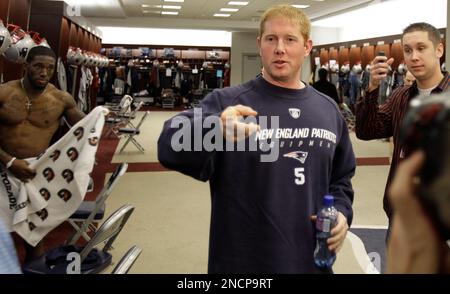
(30,113)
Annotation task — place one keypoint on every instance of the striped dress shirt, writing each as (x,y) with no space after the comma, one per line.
(375,121)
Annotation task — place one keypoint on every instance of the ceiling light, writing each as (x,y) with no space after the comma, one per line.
(239,3)
(229,9)
(171,7)
(91,3)
(179,1)
(169,12)
(300,6)
(145,5)
(152,11)
(222,15)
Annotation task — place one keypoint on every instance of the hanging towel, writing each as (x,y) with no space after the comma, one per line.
(34,208)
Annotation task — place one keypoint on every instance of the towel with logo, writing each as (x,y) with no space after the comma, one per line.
(34,208)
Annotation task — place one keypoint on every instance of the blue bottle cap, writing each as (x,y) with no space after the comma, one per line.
(328,200)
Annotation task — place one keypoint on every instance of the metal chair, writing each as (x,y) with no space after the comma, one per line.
(127,261)
(91,212)
(91,259)
(120,120)
(123,106)
(130,133)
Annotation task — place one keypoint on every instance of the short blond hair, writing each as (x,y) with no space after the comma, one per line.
(295,15)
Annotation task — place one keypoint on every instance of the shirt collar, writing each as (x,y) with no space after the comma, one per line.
(443,85)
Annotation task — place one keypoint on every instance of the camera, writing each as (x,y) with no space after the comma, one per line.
(426,126)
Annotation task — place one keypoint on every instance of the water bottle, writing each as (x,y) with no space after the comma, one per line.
(326,220)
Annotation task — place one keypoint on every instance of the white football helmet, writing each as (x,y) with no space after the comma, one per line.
(345,68)
(357,68)
(89,58)
(71,55)
(38,39)
(21,43)
(402,68)
(79,57)
(5,38)
(334,68)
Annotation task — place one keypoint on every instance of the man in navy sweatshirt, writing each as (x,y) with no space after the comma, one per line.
(271,149)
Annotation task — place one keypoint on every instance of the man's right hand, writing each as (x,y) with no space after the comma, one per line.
(233,129)
(379,68)
(21,170)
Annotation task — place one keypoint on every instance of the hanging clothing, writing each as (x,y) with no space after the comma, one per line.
(365,79)
(82,99)
(354,90)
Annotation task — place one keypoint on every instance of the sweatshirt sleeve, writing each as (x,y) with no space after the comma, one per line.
(344,165)
(373,121)
(180,144)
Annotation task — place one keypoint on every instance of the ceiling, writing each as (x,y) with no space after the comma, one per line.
(198,14)
(205,9)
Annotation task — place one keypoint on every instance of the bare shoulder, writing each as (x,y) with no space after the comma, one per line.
(71,112)
(63,96)
(8,88)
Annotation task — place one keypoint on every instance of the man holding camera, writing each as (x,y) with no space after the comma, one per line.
(422,50)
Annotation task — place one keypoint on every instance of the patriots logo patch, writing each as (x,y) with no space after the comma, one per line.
(297,155)
(295,112)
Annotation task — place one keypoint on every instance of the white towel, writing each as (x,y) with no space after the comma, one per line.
(34,208)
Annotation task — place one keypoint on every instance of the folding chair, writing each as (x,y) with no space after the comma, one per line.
(92,260)
(167,99)
(128,117)
(127,261)
(122,120)
(91,212)
(123,106)
(131,132)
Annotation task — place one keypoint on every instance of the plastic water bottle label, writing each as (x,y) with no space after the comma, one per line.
(326,225)
(323,225)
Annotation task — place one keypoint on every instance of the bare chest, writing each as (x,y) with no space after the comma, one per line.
(42,111)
